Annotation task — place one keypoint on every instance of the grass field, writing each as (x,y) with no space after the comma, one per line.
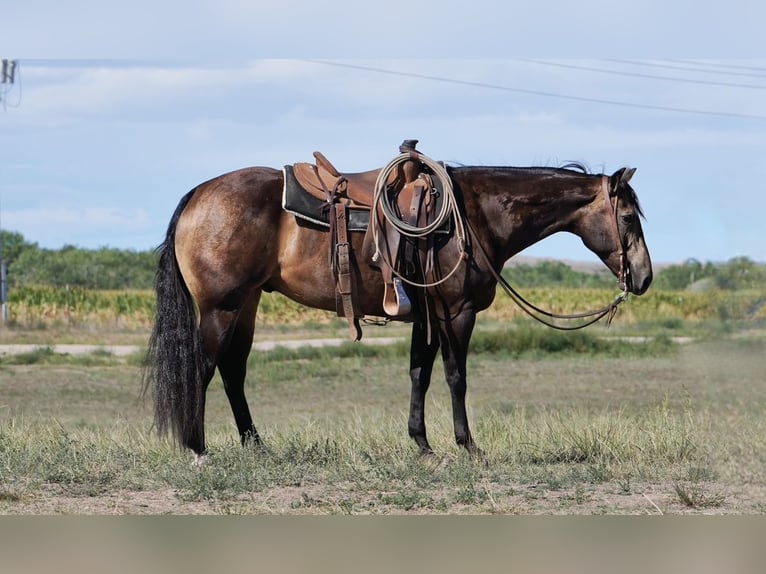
(574,427)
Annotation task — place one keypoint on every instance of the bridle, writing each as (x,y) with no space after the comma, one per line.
(623,277)
(608,311)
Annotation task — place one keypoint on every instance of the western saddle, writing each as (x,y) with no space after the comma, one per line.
(410,190)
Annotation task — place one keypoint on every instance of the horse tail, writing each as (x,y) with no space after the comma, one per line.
(175,364)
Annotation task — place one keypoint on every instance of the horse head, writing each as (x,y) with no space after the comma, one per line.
(613,232)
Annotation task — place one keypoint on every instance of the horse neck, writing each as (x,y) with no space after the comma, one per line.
(513,208)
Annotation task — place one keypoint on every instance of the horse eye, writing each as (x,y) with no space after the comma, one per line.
(628,219)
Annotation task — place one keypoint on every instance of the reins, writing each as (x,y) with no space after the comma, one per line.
(594,316)
(530,309)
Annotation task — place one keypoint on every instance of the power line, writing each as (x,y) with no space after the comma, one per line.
(687,68)
(485,85)
(644,76)
(720,65)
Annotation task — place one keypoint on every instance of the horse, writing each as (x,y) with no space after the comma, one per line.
(230,239)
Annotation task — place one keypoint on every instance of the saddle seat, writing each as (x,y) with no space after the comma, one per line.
(355,190)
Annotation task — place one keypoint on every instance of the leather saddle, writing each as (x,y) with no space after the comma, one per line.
(410,192)
(353,189)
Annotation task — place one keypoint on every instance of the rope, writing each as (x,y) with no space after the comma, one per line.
(448,209)
(594,316)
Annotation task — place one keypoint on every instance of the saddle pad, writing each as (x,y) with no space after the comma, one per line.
(300,203)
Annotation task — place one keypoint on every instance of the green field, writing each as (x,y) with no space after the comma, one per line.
(568,424)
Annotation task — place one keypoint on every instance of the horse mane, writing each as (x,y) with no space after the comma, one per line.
(572,167)
(629,192)
(576,166)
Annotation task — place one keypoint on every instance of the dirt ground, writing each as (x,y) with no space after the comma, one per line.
(654,499)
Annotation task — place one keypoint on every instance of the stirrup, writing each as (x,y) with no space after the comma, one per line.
(395,300)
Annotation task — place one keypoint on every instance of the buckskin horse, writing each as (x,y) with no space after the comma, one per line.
(230,239)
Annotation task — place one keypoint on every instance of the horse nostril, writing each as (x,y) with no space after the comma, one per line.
(644,284)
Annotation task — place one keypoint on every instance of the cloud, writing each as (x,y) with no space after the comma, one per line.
(121,142)
(105,217)
(351,91)
(56,226)
(233,30)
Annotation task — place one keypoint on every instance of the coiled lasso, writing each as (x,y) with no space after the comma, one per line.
(448,209)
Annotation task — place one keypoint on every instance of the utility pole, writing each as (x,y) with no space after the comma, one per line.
(8,71)
(7,79)
(3,281)
(3,275)
(3,291)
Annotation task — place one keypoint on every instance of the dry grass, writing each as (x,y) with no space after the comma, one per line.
(41,313)
(571,435)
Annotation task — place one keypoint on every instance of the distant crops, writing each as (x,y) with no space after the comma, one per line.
(656,305)
(60,306)
(49,306)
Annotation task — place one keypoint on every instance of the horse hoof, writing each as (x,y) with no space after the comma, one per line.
(261,449)
(435,462)
(200,460)
(479,457)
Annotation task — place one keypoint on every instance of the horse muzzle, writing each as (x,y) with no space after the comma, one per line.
(637,281)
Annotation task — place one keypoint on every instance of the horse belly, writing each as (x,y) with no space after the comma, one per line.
(305,270)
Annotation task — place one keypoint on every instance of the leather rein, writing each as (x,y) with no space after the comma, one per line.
(543,316)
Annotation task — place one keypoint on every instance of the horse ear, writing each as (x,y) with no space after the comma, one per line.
(621,176)
(627,173)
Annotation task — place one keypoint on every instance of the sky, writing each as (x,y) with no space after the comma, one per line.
(118,109)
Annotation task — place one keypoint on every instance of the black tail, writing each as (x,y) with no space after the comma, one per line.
(175,364)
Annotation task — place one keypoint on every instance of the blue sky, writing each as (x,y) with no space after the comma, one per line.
(119,109)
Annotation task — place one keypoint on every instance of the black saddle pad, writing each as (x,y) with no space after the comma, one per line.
(297,201)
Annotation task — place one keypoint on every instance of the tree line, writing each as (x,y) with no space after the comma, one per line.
(735,274)
(104,268)
(110,268)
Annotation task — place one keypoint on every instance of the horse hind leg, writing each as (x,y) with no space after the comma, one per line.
(226,337)
(232,364)
(215,328)
(194,437)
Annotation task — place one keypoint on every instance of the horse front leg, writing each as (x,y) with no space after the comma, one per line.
(422,355)
(455,334)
